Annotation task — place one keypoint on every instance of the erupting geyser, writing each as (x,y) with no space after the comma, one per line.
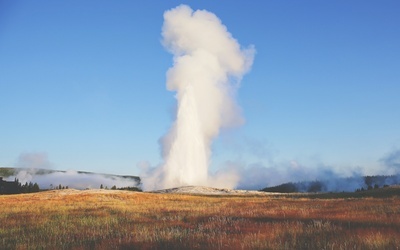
(208,66)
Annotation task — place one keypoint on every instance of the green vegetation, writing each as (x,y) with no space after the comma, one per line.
(108,219)
(6,172)
(134,189)
(15,187)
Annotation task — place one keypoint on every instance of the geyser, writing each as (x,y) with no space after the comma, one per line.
(208,66)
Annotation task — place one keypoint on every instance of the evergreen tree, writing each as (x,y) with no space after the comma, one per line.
(35,188)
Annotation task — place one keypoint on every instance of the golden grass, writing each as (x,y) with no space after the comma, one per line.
(68,219)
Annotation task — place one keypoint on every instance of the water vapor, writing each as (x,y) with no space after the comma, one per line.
(392,162)
(36,167)
(33,160)
(71,178)
(316,175)
(208,64)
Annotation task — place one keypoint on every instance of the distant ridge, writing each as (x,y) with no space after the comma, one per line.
(60,179)
(7,172)
(350,184)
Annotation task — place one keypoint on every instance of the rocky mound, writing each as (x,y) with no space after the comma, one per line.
(208,191)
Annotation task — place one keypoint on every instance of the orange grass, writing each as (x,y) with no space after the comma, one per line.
(126,220)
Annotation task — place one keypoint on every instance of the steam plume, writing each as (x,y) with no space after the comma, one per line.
(208,66)
(33,160)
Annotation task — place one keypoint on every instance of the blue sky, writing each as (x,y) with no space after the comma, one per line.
(82,83)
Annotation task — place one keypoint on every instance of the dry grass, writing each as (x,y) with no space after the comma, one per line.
(124,220)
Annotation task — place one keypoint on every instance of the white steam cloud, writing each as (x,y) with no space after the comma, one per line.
(33,160)
(334,178)
(36,167)
(72,179)
(208,66)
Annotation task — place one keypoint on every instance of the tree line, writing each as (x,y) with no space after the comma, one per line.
(135,189)
(16,187)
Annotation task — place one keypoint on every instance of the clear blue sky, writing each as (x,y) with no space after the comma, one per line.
(83,82)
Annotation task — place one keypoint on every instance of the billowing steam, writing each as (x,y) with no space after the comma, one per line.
(208,66)
(316,176)
(392,162)
(71,179)
(35,167)
(33,160)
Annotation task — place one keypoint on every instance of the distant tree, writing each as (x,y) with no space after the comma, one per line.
(35,188)
(30,187)
(15,187)
(368,180)
(101,186)
(59,187)
(114,187)
(18,184)
(135,189)
(24,188)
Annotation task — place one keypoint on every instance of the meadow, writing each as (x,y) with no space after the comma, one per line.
(108,219)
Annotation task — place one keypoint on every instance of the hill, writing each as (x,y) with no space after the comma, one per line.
(200,190)
(7,172)
(350,184)
(109,219)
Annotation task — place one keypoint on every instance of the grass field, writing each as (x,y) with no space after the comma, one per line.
(105,219)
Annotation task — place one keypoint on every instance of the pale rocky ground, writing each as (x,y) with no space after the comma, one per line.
(193,190)
(66,192)
(209,191)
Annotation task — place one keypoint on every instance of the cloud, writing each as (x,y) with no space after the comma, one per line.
(72,179)
(33,160)
(258,175)
(36,167)
(392,162)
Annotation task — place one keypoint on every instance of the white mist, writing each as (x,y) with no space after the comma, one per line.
(208,66)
